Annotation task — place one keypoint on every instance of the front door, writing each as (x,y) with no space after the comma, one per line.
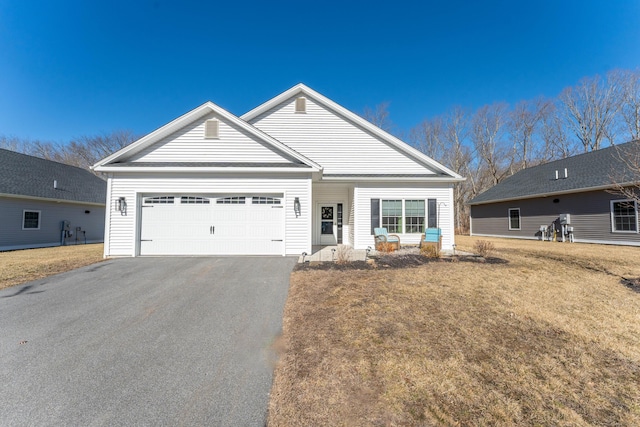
(328,224)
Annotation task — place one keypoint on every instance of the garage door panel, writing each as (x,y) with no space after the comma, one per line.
(212,229)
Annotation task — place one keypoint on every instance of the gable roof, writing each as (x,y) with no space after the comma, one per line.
(111,163)
(27,176)
(401,146)
(598,169)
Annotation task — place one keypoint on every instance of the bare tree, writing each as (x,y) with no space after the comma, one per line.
(379,116)
(524,122)
(427,137)
(591,108)
(458,156)
(626,179)
(82,152)
(487,135)
(629,85)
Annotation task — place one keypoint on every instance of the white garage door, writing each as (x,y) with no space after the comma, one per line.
(212,225)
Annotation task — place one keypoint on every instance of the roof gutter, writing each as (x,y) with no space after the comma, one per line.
(47,199)
(554,193)
(191,169)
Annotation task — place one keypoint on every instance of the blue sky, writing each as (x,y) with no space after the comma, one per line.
(71,68)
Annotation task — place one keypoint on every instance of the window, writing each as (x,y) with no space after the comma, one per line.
(624,216)
(159,200)
(193,200)
(212,129)
(514,219)
(265,200)
(233,200)
(392,215)
(30,220)
(414,216)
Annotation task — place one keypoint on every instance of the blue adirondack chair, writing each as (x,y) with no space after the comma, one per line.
(381,236)
(432,236)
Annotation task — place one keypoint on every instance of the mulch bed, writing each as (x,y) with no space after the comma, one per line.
(394,261)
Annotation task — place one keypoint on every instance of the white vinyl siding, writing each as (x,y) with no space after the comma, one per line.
(189,145)
(334,142)
(363,193)
(124,229)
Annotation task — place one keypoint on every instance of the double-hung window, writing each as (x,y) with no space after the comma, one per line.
(414,214)
(624,216)
(400,216)
(30,220)
(514,219)
(392,216)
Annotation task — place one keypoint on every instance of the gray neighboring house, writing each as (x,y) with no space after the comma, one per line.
(37,196)
(580,186)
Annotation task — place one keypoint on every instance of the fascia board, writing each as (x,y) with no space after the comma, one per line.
(120,169)
(192,115)
(301,88)
(549,194)
(157,134)
(47,199)
(393,179)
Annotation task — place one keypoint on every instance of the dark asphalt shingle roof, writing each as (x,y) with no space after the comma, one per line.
(25,175)
(599,168)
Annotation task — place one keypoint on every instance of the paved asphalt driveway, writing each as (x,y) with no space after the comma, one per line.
(143,341)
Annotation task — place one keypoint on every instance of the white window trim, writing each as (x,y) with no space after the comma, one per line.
(404,214)
(519,218)
(39,219)
(613,222)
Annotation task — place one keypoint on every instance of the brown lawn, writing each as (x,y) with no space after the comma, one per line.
(549,338)
(31,264)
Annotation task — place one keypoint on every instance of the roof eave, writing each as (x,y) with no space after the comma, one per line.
(393,178)
(549,194)
(49,199)
(110,168)
(189,117)
(401,145)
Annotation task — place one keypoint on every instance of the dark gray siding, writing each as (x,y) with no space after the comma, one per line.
(590,217)
(12,236)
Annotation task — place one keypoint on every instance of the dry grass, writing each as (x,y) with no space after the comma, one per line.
(548,338)
(31,264)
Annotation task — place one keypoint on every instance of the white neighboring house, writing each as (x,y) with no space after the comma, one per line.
(296,172)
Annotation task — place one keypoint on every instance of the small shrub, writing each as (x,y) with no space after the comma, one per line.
(343,254)
(483,248)
(430,251)
(386,247)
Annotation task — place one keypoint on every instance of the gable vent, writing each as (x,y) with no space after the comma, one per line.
(212,128)
(301,104)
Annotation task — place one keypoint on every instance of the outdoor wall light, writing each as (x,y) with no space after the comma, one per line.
(121,204)
(296,206)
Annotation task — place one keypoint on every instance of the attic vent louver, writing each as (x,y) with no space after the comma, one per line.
(211,129)
(301,104)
